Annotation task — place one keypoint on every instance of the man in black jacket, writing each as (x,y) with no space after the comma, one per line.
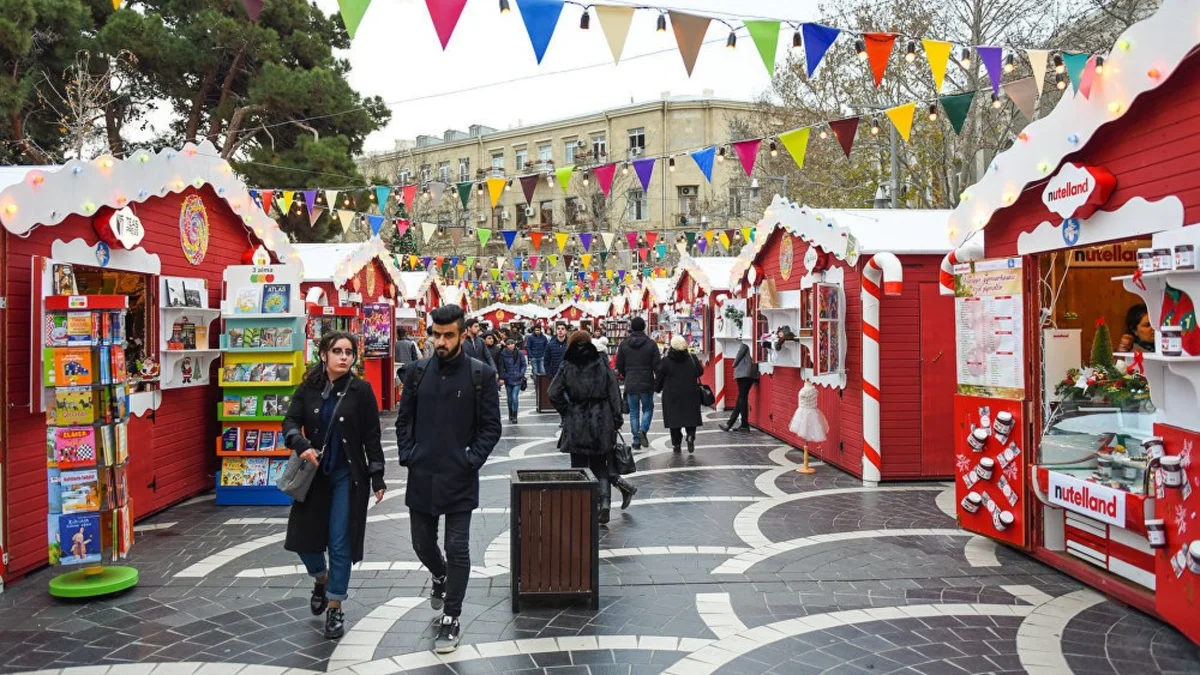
(449,422)
(556,349)
(637,361)
(472,342)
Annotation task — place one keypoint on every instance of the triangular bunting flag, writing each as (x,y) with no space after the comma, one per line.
(689,35)
(796,142)
(462,270)
(631,238)
(644,169)
(902,117)
(536,239)
(529,186)
(541,18)
(747,151)
(495,189)
(445,14)
(651,237)
(425,260)
(427,230)
(844,130)
(464,193)
(346,218)
(382,192)
(402,226)
(1075,62)
(1088,77)
(702,244)
(352,14)
(1023,93)
(567,260)
(331,201)
(561,238)
(313,214)
(1038,58)
(992,58)
(661,250)
(553,259)
(253,8)
(607,238)
(724,238)
(266,196)
(938,54)
(376,223)
(510,238)
(879,50)
(604,261)
(615,22)
(310,199)
(495,274)
(564,177)
(956,108)
(485,234)
(604,176)
(586,260)
(585,238)
(747,234)
(409,193)
(691,239)
(682,247)
(704,160)
(286,199)
(533,261)
(766,39)
(817,40)
(456,235)
(436,188)
(643,252)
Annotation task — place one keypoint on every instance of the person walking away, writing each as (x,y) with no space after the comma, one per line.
(491,341)
(556,349)
(637,361)
(427,350)
(677,379)
(586,394)
(745,371)
(535,348)
(448,424)
(474,344)
(406,352)
(333,422)
(512,374)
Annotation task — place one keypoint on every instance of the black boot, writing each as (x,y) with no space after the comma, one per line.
(605,503)
(318,602)
(691,443)
(728,426)
(628,490)
(335,623)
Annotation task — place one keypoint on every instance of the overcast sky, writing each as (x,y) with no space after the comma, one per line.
(489,75)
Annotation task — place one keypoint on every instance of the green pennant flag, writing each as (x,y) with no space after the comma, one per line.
(470,261)
(484,234)
(352,14)
(564,177)
(766,38)
(495,274)
(957,107)
(464,192)
(691,239)
(603,258)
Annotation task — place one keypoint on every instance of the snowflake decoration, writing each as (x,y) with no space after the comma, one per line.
(963,463)
(1185,456)
(1012,472)
(1180,519)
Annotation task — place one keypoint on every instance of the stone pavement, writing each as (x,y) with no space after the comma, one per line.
(727,562)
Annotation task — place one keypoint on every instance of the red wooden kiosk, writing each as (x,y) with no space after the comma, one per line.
(183,213)
(818,277)
(577,313)
(699,289)
(1091,214)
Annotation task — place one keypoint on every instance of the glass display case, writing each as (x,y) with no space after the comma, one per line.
(1100,444)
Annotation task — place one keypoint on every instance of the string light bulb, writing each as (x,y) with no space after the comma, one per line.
(504,8)
(587,178)
(797,41)
(585,21)
(860,46)
(625,169)
(731,41)
(1099,65)
(508,186)
(875,126)
(10,209)
(671,164)
(824,133)
(966,57)
(550,179)
(1059,68)
(721,154)
(1010,63)
(996,102)
(661,25)
(1060,81)
(774,149)
(933,113)
(910,51)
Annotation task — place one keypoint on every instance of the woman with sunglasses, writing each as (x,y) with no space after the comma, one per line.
(333,422)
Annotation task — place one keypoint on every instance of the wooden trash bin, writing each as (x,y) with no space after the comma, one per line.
(543,394)
(555,548)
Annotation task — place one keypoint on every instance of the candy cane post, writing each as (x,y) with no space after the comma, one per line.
(970,250)
(718,359)
(883,267)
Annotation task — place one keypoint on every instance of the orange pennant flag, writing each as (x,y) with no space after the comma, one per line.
(536,238)
(879,50)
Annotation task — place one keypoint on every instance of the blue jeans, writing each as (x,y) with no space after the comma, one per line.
(337,585)
(539,365)
(514,394)
(641,406)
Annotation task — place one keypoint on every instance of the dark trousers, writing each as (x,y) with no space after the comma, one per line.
(742,407)
(599,466)
(677,435)
(456,565)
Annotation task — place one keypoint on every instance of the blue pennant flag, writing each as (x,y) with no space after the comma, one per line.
(510,237)
(704,160)
(1075,63)
(376,224)
(541,18)
(817,40)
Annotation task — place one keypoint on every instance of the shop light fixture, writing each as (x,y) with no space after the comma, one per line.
(504,8)
(731,41)
(661,25)
(585,21)
(966,57)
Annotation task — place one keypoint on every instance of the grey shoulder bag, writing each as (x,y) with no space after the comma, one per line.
(298,474)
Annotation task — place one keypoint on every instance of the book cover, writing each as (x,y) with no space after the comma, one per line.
(283,372)
(256,373)
(124,531)
(233,471)
(194,292)
(73,406)
(250,441)
(63,277)
(248,300)
(191,298)
(105,407)
(104,358)
(269,372)
(122,433)
(121,481)
(234,338)
(75,447)
(257,469)
(229,438)
(54,489)
(120,402)
(54,550)
(72,367)
(285,402)
(56,330)
(189,335)
(275,470)
(79,538)
(253,338)
(275,298)
(80,491)
(201,336)
(108,444)
(271,405)
(266,441)
(231,406)
(249,406)
(283,338)
(268,336)
(119,372)
(96,337)
(175,293)
(108,490)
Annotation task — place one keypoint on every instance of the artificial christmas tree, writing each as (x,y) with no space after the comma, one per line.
(1102,351)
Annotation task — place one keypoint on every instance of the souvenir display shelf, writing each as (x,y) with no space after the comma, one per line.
(262,364)
(615,330)
(726,331)
(186,324)
(322,319)
(90,514)
(790,354)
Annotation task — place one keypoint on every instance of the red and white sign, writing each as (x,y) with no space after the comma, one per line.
(120,228)
(1077,191)
(1091,499)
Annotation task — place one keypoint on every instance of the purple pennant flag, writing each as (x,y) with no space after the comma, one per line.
(310,199)
(585,238)
(644,169)
(425,261)
(701,243)
(992,57)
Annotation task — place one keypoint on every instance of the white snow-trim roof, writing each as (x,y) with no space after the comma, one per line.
(47,198)
(620,304)
(525,310)
(581,306)
(450,294)
(711,274)
(11,175)
(596,307)
(338,263)
(1160,42)
(414,284)
(660,290)
(321,260)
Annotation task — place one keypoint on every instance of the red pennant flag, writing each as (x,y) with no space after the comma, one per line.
(253,8)
(845,130)
(631,237)
(445,14)
(536,238)
(643,252)
(879,50)
(651,237)
(439,260)
(409,192)
(604,175)
(747,151)
(402,226)
(266,195)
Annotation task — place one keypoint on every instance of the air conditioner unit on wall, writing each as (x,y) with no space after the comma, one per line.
(530,212)
(635,152)
(504,215)
(689,191)
(483,219)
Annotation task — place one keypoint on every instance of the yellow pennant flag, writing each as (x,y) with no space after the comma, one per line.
(746,234)
(412,261)
(587,260)
(562,238)
(553,260)
(462,270)
(724,238)
(286,198)
(902,117)
(495,189)
(116,5)
(938,54)
(609,274)
(708,238)
(796,142)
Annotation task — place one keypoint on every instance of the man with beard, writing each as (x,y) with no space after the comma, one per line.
(449,422)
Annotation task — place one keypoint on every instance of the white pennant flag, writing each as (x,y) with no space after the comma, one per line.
(330,199)
(436,188)
(314,215)
(1038,58)
(607,238)
(427,229)
(347,217)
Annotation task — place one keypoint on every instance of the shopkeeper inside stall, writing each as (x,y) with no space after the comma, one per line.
(1139,332)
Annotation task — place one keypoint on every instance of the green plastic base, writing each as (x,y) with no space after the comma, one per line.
(93,582)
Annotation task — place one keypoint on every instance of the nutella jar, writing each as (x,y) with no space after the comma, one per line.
(985,468)
(1185,257)
(1156,533)
(971,502)
(1170,341)
(1172,471)
(1003,520)
(1003,426)
(1104,467)
(978,439)
(1153,448)
(1194,557)
(1145,259)
(1164,260)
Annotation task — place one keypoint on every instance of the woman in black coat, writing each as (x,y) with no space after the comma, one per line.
(585,393)
(333,422)
(677,379)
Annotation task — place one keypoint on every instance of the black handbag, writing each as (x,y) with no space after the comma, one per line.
(622,457)
(707,397)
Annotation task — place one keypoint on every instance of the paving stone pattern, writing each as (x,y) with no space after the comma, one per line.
(218,594)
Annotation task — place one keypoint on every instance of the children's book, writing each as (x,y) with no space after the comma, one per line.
(108,444)
(271,405)
(188,331)
(269,372)
(121,481)
(122,433)
(108,490)
(250,442)
(257,469)
(104,357)
(249,406)
(248,300)
(56,330)
(283,338)
(80,491)
(119,373)
(73,406)
(72,367)
(54,551)
(63,276)
(124,531)
(234,338)
(75,447)
(283,372)
(79,328)
(193,292)
(266,441)
(268,336)
(253,338)
(275,298)
(79,538)
(285,402)
(54,489)
(230,438)
(233,471)
(231,406)
(201,336)
(275,470)
(256,373)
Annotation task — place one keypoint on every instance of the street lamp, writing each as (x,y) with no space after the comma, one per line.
(755,188)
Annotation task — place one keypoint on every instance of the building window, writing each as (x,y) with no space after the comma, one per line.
(570,148)
(522,158)
(464,169)
(444,171)
(522,218)
(689,203)
(637,142)
(404,177)
(498,160)
(739,201)
(637,207)
(572,208)
(545,153)
(426,173)
(599,146)
(547,212)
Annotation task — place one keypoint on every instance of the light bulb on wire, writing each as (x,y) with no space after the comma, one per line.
(661,25)
(774,149)
(585,21)
(508,186)
(1099,65)
(731,41)
(997,103)
(875,126)
(966,57)
(721,154)
(824,133)
(671,164)
(933,112)
(860,46)
(797,41)
(625,169)
(587,178)
(1059,68)
(1060,81)
(910,51)
(1010,63)
(504,9)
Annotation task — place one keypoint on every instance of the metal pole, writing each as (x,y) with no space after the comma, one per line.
(895,170)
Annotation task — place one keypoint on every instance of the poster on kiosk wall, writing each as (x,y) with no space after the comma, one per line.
(989,328)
